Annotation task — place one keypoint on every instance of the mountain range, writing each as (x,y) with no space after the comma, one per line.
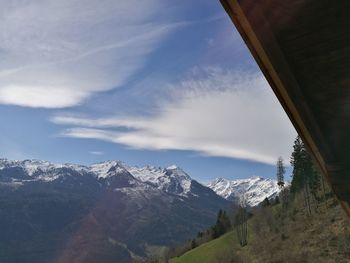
(254,190)
(107,211)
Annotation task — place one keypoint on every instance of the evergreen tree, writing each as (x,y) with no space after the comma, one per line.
(223,224)
(218,228)
(193,244)
(306,178)
(297,180)
(266,202)
(280,172)
(226,222)
(200,234)
(280,180)
(302,169)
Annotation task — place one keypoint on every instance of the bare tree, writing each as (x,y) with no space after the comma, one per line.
(306,191)
(241,222)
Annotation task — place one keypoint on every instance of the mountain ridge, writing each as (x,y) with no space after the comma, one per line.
(171,179)
(105,212)
(254,189)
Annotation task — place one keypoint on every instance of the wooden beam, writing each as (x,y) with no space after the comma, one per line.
(258,36)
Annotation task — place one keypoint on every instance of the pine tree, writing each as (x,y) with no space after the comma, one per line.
(297,180)
(223,224)
(266,202)
(280,172)
(280,180)
(200,234)
(302,168)
(306,177)
(225,221)
(193,244)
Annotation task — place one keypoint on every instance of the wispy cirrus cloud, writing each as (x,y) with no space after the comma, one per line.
(214,112)
(57,54)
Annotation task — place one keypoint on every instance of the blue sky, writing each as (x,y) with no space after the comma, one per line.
(146,82)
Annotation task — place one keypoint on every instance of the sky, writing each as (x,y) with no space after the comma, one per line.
(149,82)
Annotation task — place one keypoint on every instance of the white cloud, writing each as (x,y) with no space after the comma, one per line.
(56,54)
(96,153)
(213,112)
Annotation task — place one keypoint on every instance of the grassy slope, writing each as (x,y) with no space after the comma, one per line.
(208,252)
(323,237)
(219,250)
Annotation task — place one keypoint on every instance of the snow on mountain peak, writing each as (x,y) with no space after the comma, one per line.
(171,179)
(108,168)
(29,166)
(254,189)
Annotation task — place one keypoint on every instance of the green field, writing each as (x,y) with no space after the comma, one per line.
(221,250)
(225,249)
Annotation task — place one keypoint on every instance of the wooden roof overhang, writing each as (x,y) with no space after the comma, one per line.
(303,49)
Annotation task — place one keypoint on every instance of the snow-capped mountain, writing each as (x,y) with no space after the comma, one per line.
(254,189)
(32,170)
(109,209)
(171,179)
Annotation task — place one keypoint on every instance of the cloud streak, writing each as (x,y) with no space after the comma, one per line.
(96,153)
(57,54)
(214,112)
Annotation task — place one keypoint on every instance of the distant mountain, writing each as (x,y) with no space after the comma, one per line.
(106,212)
(254,189)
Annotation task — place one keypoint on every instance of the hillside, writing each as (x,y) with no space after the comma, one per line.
(208,252)
(217,250)
(106,212)
(283,236)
